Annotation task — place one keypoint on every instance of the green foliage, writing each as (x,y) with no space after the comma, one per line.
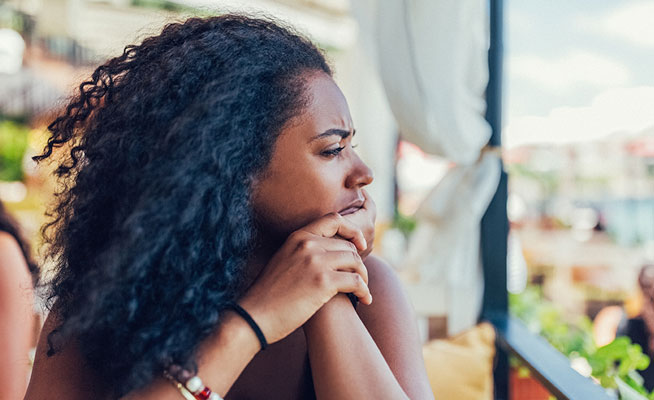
(620,352)
(548,321)
(549,180)
(13,143)
(162,5)
(618,360)
(12,19)
(404,223)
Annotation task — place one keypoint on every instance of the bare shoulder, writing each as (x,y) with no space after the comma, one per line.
(9,249)
(13,267)
(63,375)
(6,239)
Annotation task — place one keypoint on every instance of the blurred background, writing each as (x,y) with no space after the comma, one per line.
(578,134)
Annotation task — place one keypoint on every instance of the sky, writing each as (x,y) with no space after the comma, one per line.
(577,70)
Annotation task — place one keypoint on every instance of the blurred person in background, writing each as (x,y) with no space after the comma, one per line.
(640,329)
(18,274)
(211,204)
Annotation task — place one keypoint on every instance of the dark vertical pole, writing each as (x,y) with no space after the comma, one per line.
(495,67)
(495,224)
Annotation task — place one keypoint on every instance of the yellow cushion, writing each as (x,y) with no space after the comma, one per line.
(461,367)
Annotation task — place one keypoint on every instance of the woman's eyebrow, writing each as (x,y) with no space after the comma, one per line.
(334,131)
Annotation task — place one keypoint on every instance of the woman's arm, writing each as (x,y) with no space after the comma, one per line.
(373,354)
(309,269)
(222,359)
(65,374)
(16,319)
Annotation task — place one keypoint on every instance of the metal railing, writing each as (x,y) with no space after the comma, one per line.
(548,365)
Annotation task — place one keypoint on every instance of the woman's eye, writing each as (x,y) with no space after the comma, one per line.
(332,152)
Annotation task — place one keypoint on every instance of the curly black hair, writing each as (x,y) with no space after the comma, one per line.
(153,223)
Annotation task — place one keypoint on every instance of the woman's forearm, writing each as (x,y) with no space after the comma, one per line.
(16,319)
(15,341)
(345,361)
(221,359)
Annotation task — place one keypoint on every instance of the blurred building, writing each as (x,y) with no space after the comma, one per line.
(584,216)
(614,177)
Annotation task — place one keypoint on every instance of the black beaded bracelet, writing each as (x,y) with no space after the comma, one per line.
(240,311)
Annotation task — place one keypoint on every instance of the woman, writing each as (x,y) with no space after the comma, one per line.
(214,163)
(17,275)
(640,329)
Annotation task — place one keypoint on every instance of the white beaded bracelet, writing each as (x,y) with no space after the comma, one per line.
(193,389)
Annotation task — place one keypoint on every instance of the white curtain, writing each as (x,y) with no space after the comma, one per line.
(432,58)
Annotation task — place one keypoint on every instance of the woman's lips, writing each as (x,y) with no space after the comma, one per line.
(349,210)
(352,207)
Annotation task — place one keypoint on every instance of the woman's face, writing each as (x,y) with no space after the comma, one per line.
(313,170)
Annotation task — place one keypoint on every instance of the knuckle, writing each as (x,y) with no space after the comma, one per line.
(305,243)
(355,257)
(311,259)
(297,236)
(321,280)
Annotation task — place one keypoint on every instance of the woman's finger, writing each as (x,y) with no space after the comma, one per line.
(346,261)
(334,224)
(347,282)
(334,244)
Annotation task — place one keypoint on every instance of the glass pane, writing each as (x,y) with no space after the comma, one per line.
(579,148)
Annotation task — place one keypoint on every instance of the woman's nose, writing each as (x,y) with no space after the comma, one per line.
(360,175)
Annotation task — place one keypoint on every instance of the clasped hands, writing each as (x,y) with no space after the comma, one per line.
(315,263)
